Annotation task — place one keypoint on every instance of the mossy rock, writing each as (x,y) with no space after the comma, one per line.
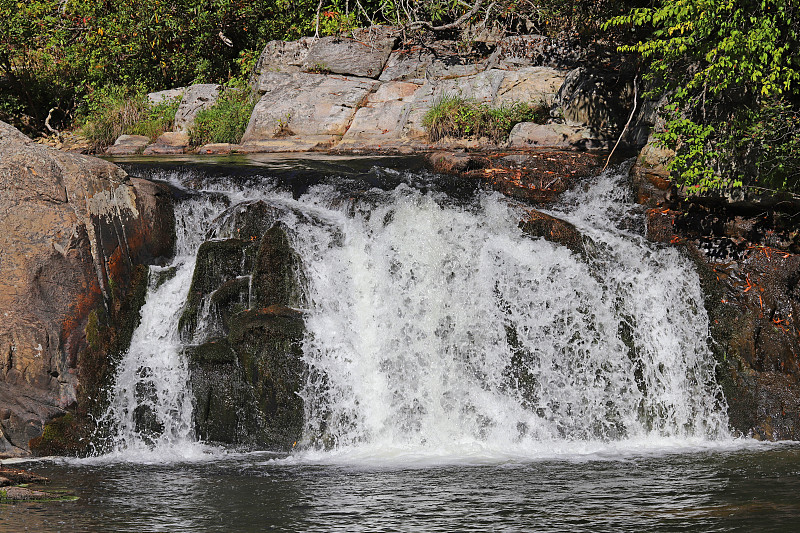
(65,435)
(109,329)
(249,221)
(268,343)
(161,276)
(277,272)
(216,351)
(217,262)
(230,298)
(225,408)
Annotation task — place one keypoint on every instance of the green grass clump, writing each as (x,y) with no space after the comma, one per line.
(225,121)
(119,111)
(454,116)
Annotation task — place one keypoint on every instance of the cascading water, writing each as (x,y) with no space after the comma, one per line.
(151,408)
(446,330)
(438,328)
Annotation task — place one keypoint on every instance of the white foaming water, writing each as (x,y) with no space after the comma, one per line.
(150,415)
(441,333)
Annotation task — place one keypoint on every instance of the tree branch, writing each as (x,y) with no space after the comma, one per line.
(451,26)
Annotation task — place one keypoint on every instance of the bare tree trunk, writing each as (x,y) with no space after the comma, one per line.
(316,24)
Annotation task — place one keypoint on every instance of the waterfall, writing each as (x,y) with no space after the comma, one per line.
(443,329)
(151,408)
(436,327)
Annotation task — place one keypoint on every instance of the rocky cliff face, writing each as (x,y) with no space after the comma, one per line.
(73,232)
(369,93)
(746,253)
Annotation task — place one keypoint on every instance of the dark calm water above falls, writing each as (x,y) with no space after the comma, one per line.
(755,489)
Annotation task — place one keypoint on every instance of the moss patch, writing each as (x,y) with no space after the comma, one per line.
(65,435)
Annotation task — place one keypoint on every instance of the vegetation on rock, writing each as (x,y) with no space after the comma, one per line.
(454,116)
(226,120)
(731,75)
(112,113)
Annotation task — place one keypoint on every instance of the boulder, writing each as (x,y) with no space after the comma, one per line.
(128,145)
(73,235)
(159,97)
(218,148)
(382,118)
(217,262)
(555,136)
(305,105)
(196,97)
(276,274)
(268,343)
(348,56)
(223,402)
(248,369)
(530,85)
(283,56)
(305,143)
(440,59)
(538,224)
(171,142)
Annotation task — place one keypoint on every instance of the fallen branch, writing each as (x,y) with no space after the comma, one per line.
(47,121)
(635,94)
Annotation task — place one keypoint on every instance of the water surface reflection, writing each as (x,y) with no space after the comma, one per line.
(707,491)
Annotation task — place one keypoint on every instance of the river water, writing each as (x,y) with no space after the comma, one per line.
(462,375)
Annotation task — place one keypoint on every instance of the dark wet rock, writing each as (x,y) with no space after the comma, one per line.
(751,305)
(454,162)
(268,343)
(248,370)
(746,254)
(223,410)
(74,237)
(538,224)
(537,177)
(217,263)
(283,56)
(276,276)
(59,436)
(249,221)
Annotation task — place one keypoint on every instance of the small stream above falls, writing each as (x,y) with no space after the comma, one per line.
(430,324)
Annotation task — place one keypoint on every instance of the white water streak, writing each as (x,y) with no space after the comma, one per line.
(440,330)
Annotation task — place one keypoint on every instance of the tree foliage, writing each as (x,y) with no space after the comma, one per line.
(64,55)
(731,73)
(57,52)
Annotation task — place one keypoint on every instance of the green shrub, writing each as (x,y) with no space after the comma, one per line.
(225,121)
(120,111)
(454,116)
(156,119)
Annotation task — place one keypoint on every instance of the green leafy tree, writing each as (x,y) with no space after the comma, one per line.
(731,72)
